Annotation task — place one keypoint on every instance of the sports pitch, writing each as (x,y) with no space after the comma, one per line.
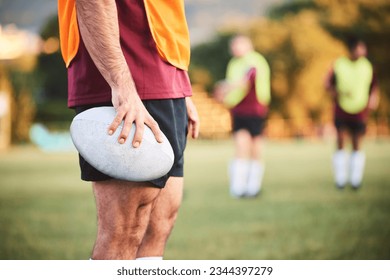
(46,212)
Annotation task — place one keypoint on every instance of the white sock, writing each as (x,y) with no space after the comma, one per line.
(238,171)
(157,258)
(357,168)
(340,167)
(255,178)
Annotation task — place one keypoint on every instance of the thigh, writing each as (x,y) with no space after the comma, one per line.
(341,134)
(357,137)
(168,201)
(242,143)
(121,203)
(256,147)
(123,210)
(162,218)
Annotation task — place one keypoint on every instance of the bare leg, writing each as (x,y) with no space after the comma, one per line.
(340,138)
(356,141)
(255,152)
(243,143)
(123,211)
(162,219)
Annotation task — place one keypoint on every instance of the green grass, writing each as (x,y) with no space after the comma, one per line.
(47,212)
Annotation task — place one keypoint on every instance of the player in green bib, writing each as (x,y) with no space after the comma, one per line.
(246,91)
(353,86)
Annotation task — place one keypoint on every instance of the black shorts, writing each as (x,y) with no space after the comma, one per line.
(353,126)
(255,125)
(171,116)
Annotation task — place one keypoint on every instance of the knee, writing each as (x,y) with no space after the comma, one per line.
(121,234)
(163,226)
(170,218)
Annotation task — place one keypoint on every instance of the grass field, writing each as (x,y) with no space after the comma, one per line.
(299,215)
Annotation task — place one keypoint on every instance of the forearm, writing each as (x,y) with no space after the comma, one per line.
(99,28)
(235,94)
(237,84)
(373,101)
(262,83)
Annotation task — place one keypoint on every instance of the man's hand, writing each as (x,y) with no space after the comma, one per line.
(220,90)
(193,118)
(130,108)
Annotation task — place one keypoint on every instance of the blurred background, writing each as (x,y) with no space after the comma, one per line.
(300,39)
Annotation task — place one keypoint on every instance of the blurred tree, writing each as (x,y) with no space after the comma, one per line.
(278,12)
(23,116)
(209,61)
(301,39)
(369,20)
(23,107)
(52,99)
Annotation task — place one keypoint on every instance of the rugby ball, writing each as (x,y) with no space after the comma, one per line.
(89,132)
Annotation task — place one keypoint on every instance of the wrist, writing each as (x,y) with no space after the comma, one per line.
(119,76)
(123,83)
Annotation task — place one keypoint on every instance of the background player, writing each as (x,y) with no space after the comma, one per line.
(246,91)
(354,89)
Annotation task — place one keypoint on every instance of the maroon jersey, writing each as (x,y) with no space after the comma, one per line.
(250,106)
(153,77)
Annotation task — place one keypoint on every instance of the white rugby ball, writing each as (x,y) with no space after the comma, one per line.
(151,160)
